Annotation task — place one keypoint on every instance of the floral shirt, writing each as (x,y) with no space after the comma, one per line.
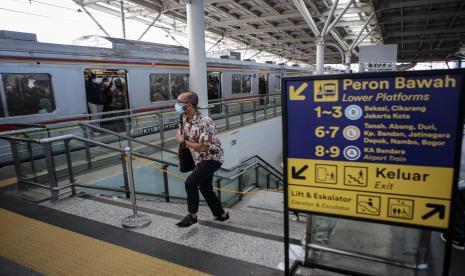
(202,128)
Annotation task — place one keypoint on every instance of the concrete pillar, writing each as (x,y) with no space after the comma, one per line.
(348,61)
(320,55)
(197,56)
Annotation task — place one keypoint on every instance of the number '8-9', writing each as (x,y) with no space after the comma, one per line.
(333,151)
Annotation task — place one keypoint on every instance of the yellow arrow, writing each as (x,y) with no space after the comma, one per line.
(294,95)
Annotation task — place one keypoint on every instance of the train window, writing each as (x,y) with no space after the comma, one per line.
(236,84)
(277,83)
(246,84)
(165,87)
(159,87)
(28,94)
(241,84)
(179,83)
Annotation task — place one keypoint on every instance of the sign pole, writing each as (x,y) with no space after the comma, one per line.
(286,209)
(455,190)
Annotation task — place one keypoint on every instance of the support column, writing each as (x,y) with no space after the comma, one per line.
(320,55)
(197,57)
(348,61)
(123,23)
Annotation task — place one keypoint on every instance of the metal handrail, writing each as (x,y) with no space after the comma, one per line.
(100,129)
(280,175)
(68,140)
(155,159)
(90,141)
(127,166)
(269,165)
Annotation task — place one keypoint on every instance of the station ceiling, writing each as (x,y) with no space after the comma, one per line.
(424,30)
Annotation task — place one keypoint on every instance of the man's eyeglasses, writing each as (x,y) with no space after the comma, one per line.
(181,102)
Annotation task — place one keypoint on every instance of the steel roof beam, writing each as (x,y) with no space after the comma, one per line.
(355,41)
(87,2)
(325,30)
(416,3)
(297,27)
(95,20)
(242,21)
(270,29)
(247,11)
(300,5)
(433,39)
(426,32)
(183,6)
(352,37)
(341,13)
(398,19)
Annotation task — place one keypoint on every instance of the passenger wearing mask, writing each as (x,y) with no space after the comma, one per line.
(94,100)
(198,132)
(31,95)
(14,101)
(118,102)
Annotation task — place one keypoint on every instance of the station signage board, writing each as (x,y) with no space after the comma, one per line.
(380,146)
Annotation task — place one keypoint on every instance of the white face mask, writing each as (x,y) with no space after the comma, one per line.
(31,83)
(180,108)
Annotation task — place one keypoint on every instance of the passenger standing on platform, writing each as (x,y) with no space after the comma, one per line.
(199,135)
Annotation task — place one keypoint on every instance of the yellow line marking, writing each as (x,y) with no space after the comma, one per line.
(8,181)
(55,251)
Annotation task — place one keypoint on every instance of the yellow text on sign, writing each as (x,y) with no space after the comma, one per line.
(295,95)
(433,182)
(382,207)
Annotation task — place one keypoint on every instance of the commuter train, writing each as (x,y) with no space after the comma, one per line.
(52,83)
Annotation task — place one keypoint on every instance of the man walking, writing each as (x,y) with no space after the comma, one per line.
(198,132)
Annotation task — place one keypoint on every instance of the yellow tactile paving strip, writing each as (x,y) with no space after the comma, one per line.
(8,181)
(55,251)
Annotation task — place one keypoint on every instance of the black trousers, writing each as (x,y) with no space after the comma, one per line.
(202,178)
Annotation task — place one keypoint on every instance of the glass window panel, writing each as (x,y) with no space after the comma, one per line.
(159,87)
(246,83)
(236,84)
(277,84)
(28,94)
(179,84)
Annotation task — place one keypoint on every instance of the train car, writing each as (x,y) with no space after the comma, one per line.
(52,83)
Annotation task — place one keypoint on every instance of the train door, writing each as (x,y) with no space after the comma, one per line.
(263,89)
(214,91)
(107,91)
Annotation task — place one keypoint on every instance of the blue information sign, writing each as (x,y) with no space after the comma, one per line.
(415,125)
(379,146)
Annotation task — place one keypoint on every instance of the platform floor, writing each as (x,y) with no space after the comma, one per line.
(83,236)
(71,240)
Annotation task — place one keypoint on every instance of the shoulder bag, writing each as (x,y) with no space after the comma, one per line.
(186,162)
